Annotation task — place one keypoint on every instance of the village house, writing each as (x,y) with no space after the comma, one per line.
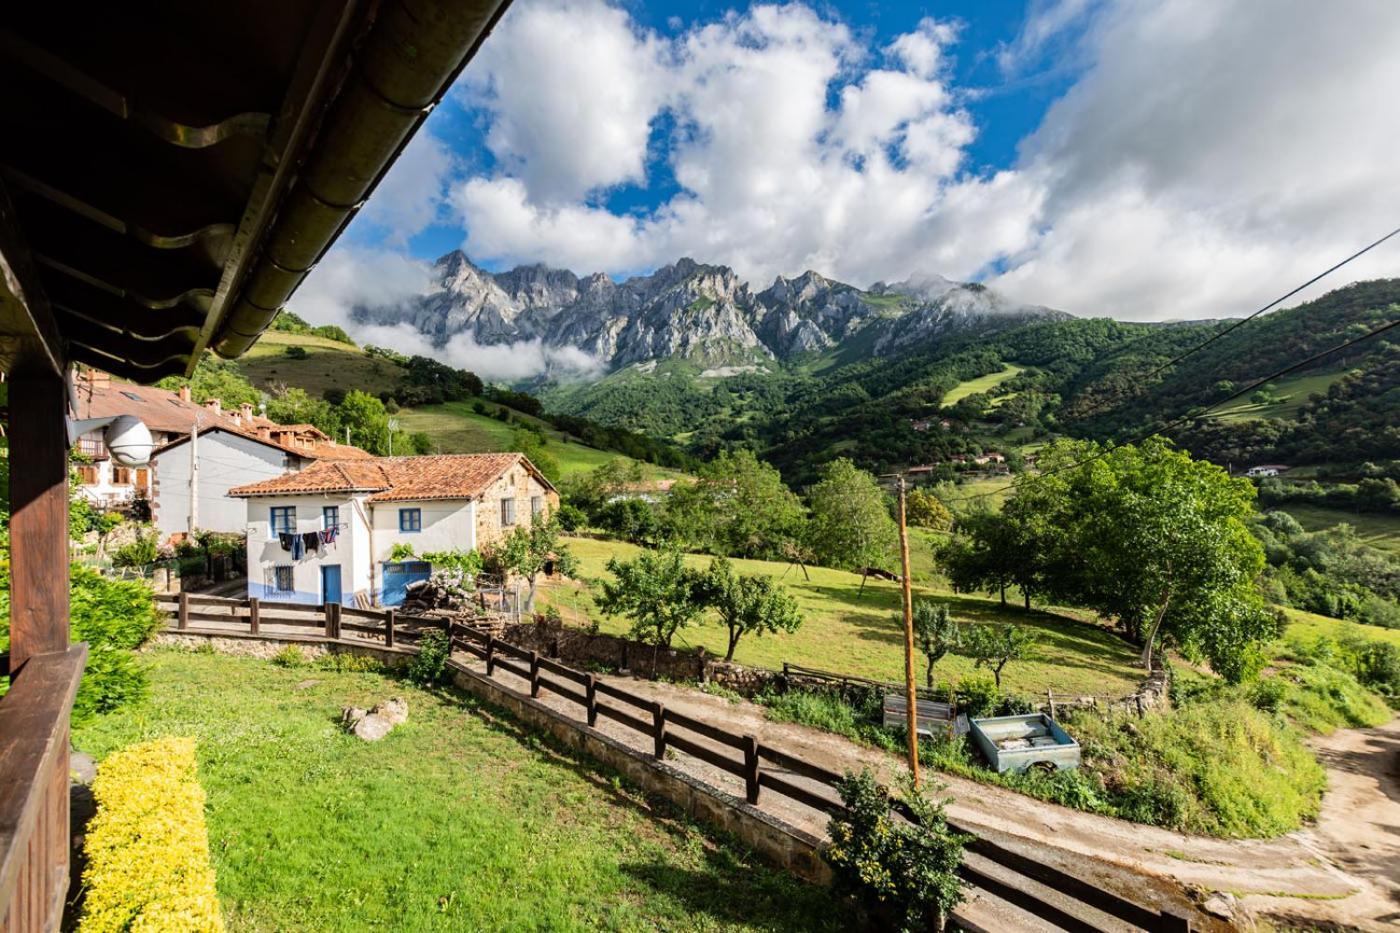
(234,447)
(327,533)
(1265,470)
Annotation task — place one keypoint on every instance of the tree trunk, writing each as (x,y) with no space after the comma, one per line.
(863,577)
(733,643)
(1027,595)
(1003,596)
(996,675)
(1152,632)
(928,675)
(530,596)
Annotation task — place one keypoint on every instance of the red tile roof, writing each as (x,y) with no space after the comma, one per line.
(396,479)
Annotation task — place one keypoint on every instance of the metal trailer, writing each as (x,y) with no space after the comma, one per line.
(1015,743)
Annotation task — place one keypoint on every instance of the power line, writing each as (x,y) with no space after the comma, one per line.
(1277,301)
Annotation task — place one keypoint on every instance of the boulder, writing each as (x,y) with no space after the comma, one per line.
(351,715)
(394,709)
(372,728)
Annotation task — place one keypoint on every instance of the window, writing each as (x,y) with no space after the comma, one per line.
(121,476)
(282,579)
(91,445)
(284,519)
(330,517)
(507,511)
(410,520)
(536,506)
(87,475)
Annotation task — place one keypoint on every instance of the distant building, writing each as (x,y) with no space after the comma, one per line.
(325,533)
(1266,469)
(652,492)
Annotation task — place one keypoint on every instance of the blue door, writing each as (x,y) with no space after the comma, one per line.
(398,576)
(330,583)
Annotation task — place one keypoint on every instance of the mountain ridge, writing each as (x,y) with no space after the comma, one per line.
(692,311)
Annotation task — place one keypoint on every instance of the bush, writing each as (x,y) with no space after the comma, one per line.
(295,352)
(429,666)
(346,663)
(978,695)
(147,846)
(289,656)
(114,617)
(138,553)
(904,874)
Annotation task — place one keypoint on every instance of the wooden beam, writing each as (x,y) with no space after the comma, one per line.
(39,524)
(28,335)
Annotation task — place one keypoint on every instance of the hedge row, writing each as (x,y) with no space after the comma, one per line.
(147,847)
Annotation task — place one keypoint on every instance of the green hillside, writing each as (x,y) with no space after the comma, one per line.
(328,364)
(982,385)
(1288,396)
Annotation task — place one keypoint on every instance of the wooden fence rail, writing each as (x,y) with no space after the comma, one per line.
(760,766)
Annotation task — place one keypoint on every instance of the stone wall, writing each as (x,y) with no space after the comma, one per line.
(582,648)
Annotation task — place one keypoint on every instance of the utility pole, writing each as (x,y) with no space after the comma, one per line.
(909,688)
(194,476)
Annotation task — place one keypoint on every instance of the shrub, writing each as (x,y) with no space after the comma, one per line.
(903,873)
(147,846)
(345,663)
(289,656)
(978,695)
(295,352)
(113,617)
(138,553)
(429,666)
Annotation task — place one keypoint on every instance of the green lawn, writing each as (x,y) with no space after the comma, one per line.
(328,365)
(863,635)
(1379,531)
(981,384)
(1291,394)
(456,429)
(1310,625)
(989,491)
(456,821)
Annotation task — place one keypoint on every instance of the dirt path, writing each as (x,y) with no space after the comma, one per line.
(1359,827)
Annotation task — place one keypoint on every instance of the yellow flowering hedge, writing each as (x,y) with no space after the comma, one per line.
(147,847)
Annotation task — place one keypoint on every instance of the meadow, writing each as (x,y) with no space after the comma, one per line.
(1290,394)
(457,820)
(1377,530)
(981,384)
(851,632)
(329,364)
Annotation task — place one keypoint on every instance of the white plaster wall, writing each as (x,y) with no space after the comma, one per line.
(225,460)
(448,525)
(351,549)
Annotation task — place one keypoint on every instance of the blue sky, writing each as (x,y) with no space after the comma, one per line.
(1142,159)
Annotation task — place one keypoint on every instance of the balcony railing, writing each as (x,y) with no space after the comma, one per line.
(34,790)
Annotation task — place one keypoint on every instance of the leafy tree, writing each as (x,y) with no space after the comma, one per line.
(657,591)
(985,555)
(631,519)
(923,509)
(935,633)
(995,646)
(532,445)
(747,603)
(851,525)
(526,551)
(739,507)
(215,378)
(294,406)
(599,486)
(368,422)
(1153,539)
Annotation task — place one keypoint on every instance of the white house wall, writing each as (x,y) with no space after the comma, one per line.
(351,549)
(448,525)
(225,460)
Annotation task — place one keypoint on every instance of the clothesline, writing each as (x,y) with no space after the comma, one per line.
(299,544)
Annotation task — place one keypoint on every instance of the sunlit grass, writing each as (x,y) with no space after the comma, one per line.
(458,820)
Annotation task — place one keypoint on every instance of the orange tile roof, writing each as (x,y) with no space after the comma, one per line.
(396,479)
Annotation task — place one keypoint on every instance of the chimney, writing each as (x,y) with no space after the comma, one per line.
(214,405)
(264,432)
(96,379)
(184,393)
(245,413)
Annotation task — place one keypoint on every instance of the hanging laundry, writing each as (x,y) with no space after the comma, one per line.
(330,534)
(285,539)
(298,547)
(311,541)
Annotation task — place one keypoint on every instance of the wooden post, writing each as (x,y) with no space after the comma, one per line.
(335,613)
(909,685)
(254,610)
(658,730)
(184,612)
(591,694)
(327,617)
(389,628)
(490,655)
(39,523)
(751,785)
(1050,700)
(534,673)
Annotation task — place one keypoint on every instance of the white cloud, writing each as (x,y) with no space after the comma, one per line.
(1206,156)
(411,196)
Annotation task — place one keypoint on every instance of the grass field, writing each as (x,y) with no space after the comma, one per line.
(1310,625)
(990,491)
(456,821)
(861,634)
(1379,531)
(981,384)
(1291,394)
(328,365)
(456,429)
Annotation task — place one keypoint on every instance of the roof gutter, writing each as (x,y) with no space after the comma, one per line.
(406,63)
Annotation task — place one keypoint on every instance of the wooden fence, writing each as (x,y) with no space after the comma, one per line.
(759,766)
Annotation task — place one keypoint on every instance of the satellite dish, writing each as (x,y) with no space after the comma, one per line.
(129,441)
